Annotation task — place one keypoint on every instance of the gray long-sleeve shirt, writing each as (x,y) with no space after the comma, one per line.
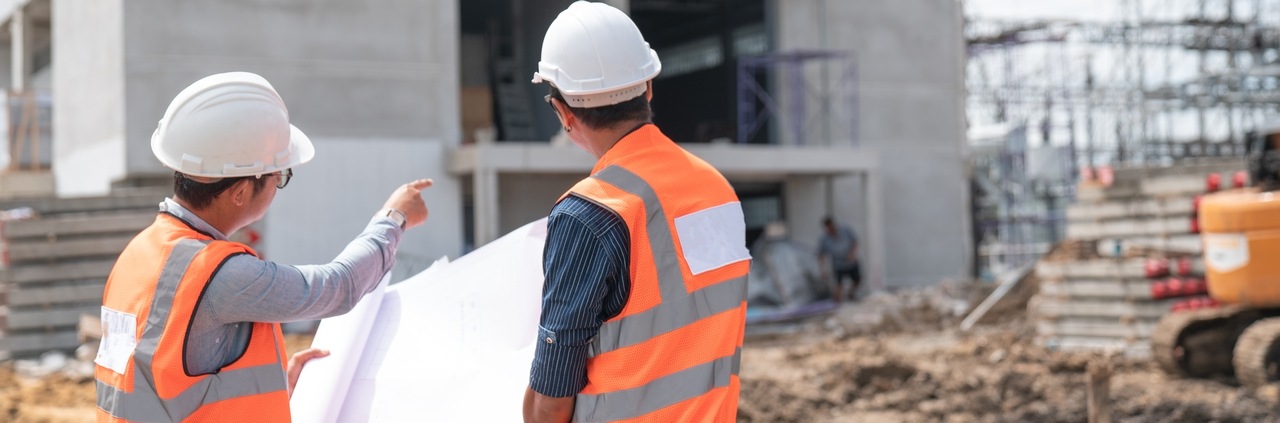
(247,289)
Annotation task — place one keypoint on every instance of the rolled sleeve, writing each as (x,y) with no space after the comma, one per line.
(585,263)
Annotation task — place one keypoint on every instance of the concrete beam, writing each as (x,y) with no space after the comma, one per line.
(731,160)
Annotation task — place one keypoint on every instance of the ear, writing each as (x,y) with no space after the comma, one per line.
(648,91)
(567,120)
(241,192)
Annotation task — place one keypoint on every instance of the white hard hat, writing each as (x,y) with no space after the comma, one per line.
(228,125)
(594,54)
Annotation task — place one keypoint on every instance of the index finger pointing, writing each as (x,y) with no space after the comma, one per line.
(421,184)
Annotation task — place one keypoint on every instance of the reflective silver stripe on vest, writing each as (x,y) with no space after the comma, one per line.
(671,315)
(144,404)
(658,394)
(670,279)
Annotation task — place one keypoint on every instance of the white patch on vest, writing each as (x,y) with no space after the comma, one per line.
(713,238)
(119,339)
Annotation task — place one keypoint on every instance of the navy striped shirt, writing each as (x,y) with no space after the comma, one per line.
(586,264)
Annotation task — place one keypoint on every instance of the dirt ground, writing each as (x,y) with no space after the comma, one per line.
(916,367)
(885,358)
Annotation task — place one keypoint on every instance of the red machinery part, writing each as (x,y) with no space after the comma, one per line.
(1240,179)
(1157,267)
(1184,263)
(1212,182)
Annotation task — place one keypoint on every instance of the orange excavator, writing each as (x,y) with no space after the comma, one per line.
(1240,231)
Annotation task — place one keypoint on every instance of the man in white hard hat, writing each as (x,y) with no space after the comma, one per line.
(644,300)
(191,321)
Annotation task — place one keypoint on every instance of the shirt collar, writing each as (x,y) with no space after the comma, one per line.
(175,209)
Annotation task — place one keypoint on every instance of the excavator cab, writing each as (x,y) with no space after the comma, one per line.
(1240,235)
(1263,155)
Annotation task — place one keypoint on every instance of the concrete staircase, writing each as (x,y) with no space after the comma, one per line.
(58,262)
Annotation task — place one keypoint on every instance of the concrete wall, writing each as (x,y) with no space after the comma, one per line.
(88,93)
(350,69)
(529,197)
(331,199)
(373,83)
(909,57)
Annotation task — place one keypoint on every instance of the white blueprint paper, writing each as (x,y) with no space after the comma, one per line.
(453,343)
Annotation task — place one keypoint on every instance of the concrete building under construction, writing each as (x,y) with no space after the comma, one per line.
(809,107)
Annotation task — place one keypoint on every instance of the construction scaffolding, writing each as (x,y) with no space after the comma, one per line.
(1162,82)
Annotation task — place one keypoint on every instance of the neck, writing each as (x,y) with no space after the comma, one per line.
(224,222)
(599,141)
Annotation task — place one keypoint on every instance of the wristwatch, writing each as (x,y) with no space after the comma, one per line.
(396,216)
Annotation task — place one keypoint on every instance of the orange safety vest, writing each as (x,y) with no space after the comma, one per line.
(147,308)
(673,352)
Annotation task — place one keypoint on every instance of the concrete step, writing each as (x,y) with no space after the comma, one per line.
(1091,328)
(1179,206)
(46,251)
(97,269)
(1042,307)
(132,199)
(1095,193)
(1138,348)
(1135,174)
(1145,227)
(70,292)
(25,319)
(79,224)
(1188,244)
(36,343)
(1111,269)
(1117,289)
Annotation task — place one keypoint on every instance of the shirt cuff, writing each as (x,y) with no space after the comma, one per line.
(558,370)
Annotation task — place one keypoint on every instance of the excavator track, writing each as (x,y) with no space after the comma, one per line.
(1257,354)
(1197,343)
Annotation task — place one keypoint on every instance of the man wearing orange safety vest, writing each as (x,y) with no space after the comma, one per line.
(191,320)
(645,264)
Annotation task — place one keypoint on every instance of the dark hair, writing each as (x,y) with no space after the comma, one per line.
(636,109)
(828,221)
(200,195)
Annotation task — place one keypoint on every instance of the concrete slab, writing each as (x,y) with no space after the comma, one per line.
(29,344)
(1179,244)
(1134,268)
(1131,348)
(1183,205)
(37,273)
(1045,307)
(52,319)
(1141,227)
(82,292)
(63,225)
(43,251)
(1128,330)
(1118,289)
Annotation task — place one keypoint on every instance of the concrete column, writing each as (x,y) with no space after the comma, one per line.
(19,33)
(875,241)
(485,194)
(623,5)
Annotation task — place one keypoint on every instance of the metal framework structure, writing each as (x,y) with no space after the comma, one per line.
(1166,81)
(758,105)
